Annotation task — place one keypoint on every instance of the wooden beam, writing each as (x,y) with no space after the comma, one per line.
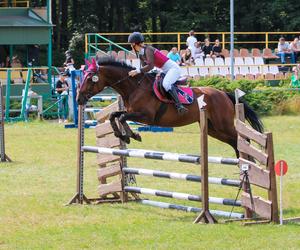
(109,141)
(262,207)
(103,159)
(247,132)
(109,171)
(257,175)
(105,189)
(245,147)
(103,129)
(104,114)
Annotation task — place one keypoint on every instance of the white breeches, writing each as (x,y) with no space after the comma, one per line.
(173,72)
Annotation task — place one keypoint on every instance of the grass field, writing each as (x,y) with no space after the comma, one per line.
(35,187)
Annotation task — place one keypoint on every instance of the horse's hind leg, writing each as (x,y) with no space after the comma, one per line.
(117,132)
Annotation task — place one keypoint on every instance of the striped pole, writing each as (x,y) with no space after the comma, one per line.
(178,176)
(157,155)
(190,209)
(181,196)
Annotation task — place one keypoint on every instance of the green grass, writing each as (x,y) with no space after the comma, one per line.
(42,178)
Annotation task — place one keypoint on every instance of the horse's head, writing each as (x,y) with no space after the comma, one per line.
(91,83)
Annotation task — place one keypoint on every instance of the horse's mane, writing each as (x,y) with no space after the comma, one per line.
(111,61)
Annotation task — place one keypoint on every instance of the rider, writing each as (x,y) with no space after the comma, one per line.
(151,57)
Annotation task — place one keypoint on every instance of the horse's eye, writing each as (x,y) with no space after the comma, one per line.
(95,78)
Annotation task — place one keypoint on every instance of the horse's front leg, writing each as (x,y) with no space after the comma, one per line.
(131,117)
(117,132)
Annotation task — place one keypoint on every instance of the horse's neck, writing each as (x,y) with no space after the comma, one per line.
(125,87)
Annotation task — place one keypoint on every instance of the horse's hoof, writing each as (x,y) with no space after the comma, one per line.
(137,137)
(125,139)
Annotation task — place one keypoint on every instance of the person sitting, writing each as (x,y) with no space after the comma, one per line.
(217,50)
(187,58)
(284,50)
(174,55)
(69,63)
(207,48)
(295,83)
(29,107)
(295,47)
(151,57)
(198,50)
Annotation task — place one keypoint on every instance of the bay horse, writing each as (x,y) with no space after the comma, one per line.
(143,106)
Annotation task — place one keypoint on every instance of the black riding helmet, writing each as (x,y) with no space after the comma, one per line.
(135,37)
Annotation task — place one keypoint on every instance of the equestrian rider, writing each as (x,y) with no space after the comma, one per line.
(151,57)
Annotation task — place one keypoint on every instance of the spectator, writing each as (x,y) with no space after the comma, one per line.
(62,88)
(69,63)
(207,48)
(33,55)
(295,47)
(190,42)
(284,50)
(174,55)
(295,78)
(187,58)
(198,50)
(7,62)
(217,50)
(16,63)
(29,107)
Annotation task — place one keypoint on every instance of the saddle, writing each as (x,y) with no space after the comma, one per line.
(185,93)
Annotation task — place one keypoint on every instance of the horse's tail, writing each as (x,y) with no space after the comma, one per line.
(250,114)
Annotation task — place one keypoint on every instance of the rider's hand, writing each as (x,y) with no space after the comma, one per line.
(132,73)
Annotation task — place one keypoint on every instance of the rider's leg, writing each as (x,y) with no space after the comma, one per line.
(171,77)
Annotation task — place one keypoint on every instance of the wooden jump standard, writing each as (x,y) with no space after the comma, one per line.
(112,155)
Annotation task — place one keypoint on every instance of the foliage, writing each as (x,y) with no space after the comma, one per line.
(265,100)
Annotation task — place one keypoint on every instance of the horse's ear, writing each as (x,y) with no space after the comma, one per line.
(94,62)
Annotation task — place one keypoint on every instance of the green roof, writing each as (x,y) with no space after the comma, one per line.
(23,26)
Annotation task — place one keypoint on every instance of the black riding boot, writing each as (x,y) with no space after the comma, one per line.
(180,108)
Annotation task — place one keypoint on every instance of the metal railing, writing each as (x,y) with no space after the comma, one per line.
(14,3)
(178,39)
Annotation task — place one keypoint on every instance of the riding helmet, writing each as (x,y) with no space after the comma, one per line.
(135,37)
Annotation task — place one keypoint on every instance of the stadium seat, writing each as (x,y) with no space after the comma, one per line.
(256,52)
(239,61)
(250,76)
(193,71)
(259,76)
(121,54)
(112,53)
(269,76)
(258,61)
(273,69)
(265,69)
(203,71)
(236,53)
(214,71)
(219,61)
(225,53)
(244,70)
(227,61)
(267,54)
(184,71)
(254,70)
(244,52)
(209,62)
(236,70)
(249,61)
(165,52)
(223,71)
(199,61)
(239,77)
(131,55)
(16,76)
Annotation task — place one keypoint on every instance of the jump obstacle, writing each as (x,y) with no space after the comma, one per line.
(112,154)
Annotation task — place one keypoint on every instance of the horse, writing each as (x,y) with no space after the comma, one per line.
(143,106)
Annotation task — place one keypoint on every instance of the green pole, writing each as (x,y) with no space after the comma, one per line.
(89,48)
(7,98)
(24,98)
(50,56)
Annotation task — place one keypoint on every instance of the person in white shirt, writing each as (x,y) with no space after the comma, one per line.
(295,47)
(284,50)
(28,106)
(190,42)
